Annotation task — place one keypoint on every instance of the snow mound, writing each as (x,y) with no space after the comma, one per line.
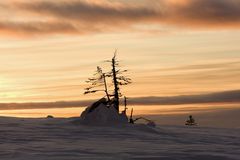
(102,115)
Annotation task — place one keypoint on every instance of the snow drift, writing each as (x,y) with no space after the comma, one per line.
(100,113)
(59,139)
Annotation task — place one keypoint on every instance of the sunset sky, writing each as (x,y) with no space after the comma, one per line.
(179,49)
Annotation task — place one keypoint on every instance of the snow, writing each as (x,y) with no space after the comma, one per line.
(61,139)
(102,115)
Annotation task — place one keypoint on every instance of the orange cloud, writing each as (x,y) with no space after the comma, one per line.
(91,16)
(35,28)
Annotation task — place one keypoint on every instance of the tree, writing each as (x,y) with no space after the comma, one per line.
(118,80)
(97,81)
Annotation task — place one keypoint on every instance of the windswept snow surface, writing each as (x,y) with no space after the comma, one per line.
(61,139)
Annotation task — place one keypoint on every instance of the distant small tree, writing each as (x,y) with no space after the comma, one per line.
(96,82)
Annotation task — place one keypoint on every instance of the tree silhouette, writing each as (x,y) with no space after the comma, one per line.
(99,80)
(96,82)
(118,80)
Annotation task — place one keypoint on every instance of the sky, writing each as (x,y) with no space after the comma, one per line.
(176,51)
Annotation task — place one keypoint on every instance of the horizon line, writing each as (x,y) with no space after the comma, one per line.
(231,96)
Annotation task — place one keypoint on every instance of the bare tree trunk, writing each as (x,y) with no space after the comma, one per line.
(125,104)
(106,89)
(116,96)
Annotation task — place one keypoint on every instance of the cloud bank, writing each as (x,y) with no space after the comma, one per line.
(219,97)
(91,16)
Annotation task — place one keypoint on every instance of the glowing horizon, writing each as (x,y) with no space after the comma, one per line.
(43,73)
